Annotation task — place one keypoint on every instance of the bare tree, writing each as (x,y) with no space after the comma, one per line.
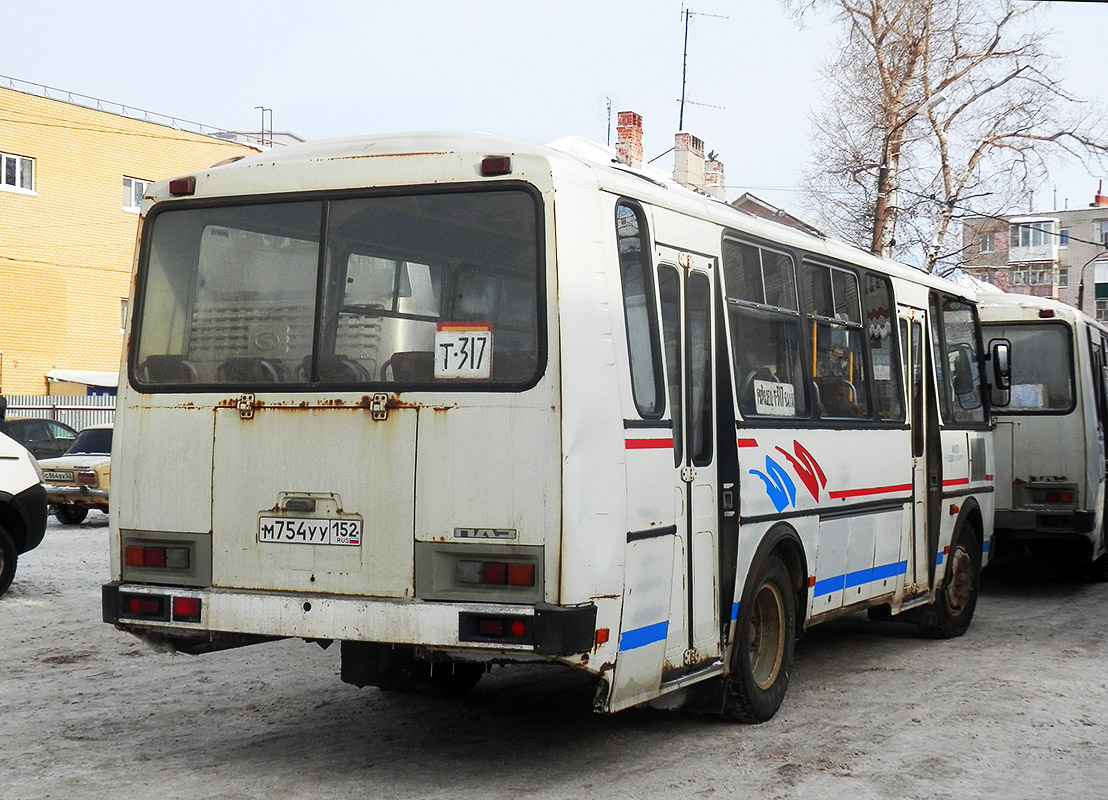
(933,106)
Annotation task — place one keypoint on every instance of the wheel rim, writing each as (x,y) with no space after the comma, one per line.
(767,638)
(960,589)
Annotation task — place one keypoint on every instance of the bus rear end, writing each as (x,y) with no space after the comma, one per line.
(339,421)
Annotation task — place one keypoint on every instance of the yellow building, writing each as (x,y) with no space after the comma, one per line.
(70,180)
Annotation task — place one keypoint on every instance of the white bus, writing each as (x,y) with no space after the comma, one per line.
(1049,435)
(457,401)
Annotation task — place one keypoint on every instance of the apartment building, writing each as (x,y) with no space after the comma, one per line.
(1060,254)
(72,172)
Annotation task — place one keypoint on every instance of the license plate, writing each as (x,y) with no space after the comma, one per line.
(53,475)
(306,530)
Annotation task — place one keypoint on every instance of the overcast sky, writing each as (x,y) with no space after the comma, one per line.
(526,70)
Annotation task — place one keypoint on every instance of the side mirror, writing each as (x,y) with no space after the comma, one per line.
(1000,354)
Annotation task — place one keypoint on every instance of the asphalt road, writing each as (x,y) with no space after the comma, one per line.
(1017,708)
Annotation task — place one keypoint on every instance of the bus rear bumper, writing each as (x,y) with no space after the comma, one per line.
(202,620)
(1023,522)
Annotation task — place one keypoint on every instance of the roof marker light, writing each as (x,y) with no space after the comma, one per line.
(1046,313)
(496,165)
(183,186)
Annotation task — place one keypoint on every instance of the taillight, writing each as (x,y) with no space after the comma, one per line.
(146,606)
(496,573)
(495,628)
(156,557)
(86,478)
(186,609)
(1056,496)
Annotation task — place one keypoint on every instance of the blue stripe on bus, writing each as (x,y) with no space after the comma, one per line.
(641,637)
(859,578)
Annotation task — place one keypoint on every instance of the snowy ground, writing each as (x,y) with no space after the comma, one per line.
(1017,708)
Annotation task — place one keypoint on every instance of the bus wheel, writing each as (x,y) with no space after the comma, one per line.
(8,558)
(70,515)
(762,655)
(953,608)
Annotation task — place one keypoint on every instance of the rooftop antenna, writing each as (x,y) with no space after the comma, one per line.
(688,14)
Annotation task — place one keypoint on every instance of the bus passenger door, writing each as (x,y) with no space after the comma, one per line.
(685,288)
(926,448)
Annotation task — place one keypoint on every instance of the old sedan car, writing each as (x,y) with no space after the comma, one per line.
(45,438)
(80,479)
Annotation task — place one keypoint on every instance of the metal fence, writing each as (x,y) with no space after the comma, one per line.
(74,410)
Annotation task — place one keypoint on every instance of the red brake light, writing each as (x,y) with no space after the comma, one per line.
(186,609)
(1053,496)
(182,186)
(494,572)
(87,478)
(496,165)
(146,606)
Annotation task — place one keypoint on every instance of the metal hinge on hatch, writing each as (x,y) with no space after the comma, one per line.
(688,474)
(379,406)
(246,406)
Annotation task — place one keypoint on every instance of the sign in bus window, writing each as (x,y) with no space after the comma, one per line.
(463,350)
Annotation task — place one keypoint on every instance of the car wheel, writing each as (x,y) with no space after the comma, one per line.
(70,515)
(8,558)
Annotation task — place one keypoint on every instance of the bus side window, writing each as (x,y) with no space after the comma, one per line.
(834,319)
(877,305)
(764,318)
(639,313)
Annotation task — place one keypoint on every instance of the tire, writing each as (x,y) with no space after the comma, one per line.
(762,654)
(951,613)
(8,558)
(70,514)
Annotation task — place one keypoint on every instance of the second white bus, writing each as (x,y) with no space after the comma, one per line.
(1050,473)
(458,401)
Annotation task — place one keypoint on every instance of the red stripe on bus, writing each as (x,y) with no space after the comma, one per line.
(957,482)
(904,487)
(748,442)
(650,444)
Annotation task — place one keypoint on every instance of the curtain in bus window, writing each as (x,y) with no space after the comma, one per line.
(834,317)
(638,310)
(1042,366)
(877,304)
(963,372)
(769,365)
(229,294)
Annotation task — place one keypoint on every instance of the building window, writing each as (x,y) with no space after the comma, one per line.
(1031,234)
(1019,276)
(1102,231)
(985,243)
(1038,277)
(1102,310)
(1064,237)
(18,173)
(133,190)
(1063,277)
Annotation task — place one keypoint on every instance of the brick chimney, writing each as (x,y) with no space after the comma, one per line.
(688,161)
(629,138)
(1100,199)
(713,177)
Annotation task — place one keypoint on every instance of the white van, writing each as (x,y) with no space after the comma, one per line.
(22,507)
